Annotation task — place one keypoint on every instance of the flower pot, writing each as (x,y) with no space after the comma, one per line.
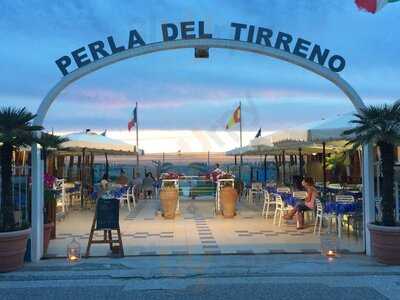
(12,249)
(385,242)
(47,230)
(228,197)
(169,200)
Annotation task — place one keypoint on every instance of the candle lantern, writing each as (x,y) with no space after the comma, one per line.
(73,251)
(329,243)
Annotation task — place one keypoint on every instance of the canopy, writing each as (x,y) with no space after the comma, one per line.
(94,142)
(321,131)
(308,137)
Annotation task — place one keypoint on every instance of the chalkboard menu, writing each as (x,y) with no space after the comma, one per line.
(107,213)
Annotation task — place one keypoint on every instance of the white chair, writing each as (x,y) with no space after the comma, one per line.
(300,195)
(255,191)
(268,201)
(283,189)
(125,197)
(319,214)
(280,208)
(133,197)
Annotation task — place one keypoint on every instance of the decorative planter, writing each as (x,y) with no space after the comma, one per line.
(385,243)
(47,231)
(169,200)
(228,197)
(12,249)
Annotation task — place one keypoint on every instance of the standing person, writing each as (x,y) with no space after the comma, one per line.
(148,185)
(308,204)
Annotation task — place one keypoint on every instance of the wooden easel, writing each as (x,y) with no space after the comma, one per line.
(107,236)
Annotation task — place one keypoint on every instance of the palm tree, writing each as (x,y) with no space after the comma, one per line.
(50,142)
(16,130)
(380,125)
(337,163)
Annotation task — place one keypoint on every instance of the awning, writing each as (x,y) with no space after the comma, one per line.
(94,142)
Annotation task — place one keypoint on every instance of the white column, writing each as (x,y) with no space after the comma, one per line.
(37,204)
(368,193)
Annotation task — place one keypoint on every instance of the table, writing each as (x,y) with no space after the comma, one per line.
(341,208)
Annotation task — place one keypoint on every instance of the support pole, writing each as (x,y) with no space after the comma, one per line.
(137,140)
(300,163)
(82,174)
(37,204)
(324,166)
(265,167)
(368,193)
(283,168)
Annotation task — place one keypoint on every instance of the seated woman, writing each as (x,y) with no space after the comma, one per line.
(122,179)
(308,204)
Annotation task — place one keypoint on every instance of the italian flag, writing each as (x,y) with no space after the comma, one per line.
(373,6)
(234,119)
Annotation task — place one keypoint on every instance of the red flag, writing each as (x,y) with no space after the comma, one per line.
(132,122)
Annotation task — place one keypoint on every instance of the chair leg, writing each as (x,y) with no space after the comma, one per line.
(315,224)
(280,218)
(129,203)
(275,214)
(320,224)
(267,212)
(263,211)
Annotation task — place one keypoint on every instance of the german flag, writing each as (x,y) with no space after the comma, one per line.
(234,119)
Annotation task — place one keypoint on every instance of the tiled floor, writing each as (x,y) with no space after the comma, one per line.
(195,231)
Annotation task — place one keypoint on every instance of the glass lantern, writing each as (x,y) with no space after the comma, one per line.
(329,243)
(73,251)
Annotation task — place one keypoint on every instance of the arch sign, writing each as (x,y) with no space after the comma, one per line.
(196,30)
(191,34)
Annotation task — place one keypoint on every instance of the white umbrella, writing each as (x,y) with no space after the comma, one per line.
(321,131)
(96,142)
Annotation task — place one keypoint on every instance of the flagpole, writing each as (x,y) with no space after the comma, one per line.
(240,124)
(137,139)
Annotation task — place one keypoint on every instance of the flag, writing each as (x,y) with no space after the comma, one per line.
(132,122)
(373,6)
(234,119)
(258,133)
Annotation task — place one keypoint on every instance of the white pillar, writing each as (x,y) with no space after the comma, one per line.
(368,193)
(37,204)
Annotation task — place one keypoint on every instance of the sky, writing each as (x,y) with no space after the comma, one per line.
(178,93)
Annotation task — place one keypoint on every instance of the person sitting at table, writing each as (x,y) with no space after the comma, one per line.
(122,179)
(104,183)
(308,204)
(148,185)
(137,183)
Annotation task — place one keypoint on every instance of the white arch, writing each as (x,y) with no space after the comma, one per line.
(37,163)
(196,43)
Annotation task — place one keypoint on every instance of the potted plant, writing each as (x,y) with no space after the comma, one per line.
(16,130)
(380,125)
(50,203)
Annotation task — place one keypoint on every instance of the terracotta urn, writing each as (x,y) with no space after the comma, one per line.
(228,198)
(47,230)
(385,242)
(169,200)
(12,249)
